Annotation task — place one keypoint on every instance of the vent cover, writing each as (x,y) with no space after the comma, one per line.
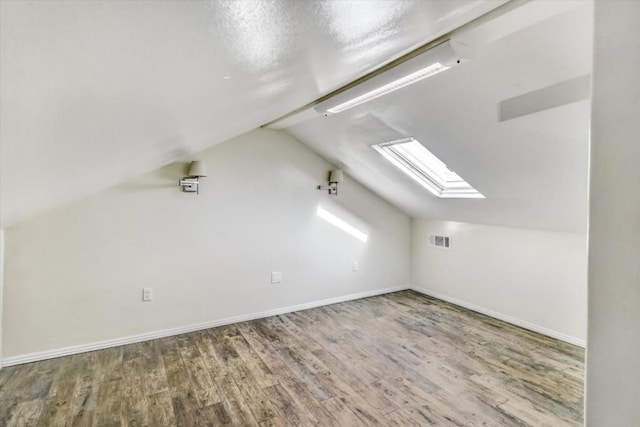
(440,241)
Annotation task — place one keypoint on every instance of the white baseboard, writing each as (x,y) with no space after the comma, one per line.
(523,324)
(66,351)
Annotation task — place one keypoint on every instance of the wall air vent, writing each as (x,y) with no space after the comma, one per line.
(439,241)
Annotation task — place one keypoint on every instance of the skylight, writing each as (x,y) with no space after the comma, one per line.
(410,156)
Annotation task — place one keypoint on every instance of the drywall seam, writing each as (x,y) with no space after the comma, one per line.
(66,351)
(509,319)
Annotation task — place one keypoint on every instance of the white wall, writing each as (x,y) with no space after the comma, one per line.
(75,274)
(1,286)
(535,278)
(613,368)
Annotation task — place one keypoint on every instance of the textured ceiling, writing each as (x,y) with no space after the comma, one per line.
(94,93)
(533,169)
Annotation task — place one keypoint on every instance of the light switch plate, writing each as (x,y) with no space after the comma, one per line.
(276,277)
(147,294)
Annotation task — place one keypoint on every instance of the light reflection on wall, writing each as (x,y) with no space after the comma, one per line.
(341,224)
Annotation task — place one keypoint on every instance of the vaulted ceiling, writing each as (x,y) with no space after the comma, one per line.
(528,157)
(95,93)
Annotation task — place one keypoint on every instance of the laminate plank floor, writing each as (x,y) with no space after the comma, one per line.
(394,360)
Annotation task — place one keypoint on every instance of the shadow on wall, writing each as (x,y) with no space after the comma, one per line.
(166,177)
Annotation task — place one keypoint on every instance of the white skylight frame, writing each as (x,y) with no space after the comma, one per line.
(411,157)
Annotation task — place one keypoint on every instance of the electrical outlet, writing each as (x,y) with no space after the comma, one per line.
(276,277)
(147,294)
(355,266)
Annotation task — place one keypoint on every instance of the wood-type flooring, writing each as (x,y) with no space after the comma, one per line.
(399,359)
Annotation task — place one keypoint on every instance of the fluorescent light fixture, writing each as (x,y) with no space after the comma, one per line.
(412,158)
(342,225)
(431,62)
(390,87)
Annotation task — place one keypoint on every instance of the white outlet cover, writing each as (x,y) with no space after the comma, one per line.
(147,294)
(276,277)
(355,266)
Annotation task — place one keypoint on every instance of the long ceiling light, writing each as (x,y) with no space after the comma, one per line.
(390,87)
(433,61)
(412,158)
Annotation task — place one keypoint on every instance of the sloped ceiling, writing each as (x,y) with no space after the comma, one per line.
(94,93)
(533,168)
